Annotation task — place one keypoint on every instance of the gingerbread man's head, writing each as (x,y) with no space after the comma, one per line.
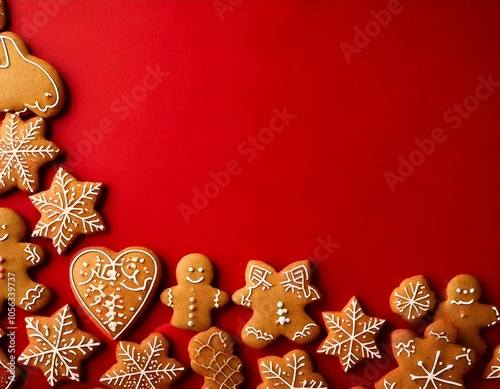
(442,331)
(12,226)
(463,289)
(194,269)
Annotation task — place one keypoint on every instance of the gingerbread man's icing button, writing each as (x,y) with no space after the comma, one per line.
(16,257)
(463,308)
(194,297)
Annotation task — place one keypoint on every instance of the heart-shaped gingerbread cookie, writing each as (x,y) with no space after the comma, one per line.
(114,288)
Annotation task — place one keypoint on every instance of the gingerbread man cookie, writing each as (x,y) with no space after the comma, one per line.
(211,354)
(432,362)
(278,302)
(463,309)
(493,369)
(16,258)
(194,298)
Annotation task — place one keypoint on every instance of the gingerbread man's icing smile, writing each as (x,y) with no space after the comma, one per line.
(195,281)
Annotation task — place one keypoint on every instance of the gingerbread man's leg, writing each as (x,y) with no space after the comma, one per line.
(259,333)
(301,328)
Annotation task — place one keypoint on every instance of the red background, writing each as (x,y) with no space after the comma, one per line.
(321,177)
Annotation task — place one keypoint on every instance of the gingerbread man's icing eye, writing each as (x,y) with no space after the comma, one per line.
(459,290)
(190,269)
(4,226)
(201,270)
(472,290)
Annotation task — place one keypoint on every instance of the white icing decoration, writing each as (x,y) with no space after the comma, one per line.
(274,373)
(389,385)
(119,271)
(4,237)
(33,255)
(495,309)
(440,335)
(465,355)
(170,298)
(495,369)
(195,281)
(305,331)
(259,334)
(461,302)
(36,105)
(295,282)
(216,299)
(435,375)
(408,348)
(282,319)
(37,292)
(418,305)
(257,277)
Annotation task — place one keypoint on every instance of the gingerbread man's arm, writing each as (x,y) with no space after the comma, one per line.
(220,298)
(492,316)
(33,254)
(167,297)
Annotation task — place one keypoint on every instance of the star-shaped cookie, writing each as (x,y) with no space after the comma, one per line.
(143,366)
(23,150)
(67,210)
(57,346)
(351,335)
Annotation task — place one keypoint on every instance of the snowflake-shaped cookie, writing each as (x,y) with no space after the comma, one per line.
(413,299)
(429,363)
(493,369)
(143,366)
(67,210)
(211,354)
(293,371)
(57,346)
(351,335)
(23,150)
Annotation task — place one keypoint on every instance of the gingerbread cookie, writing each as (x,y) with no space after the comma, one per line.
(294,370)
(413,299)
(8,371)
(28,83)
(351,335)
(114,288)
(211,354)
(57,346)
(67,210)
(278,302)
(143,366)
(493,369)
(463,309)
(432,362)
(23,150)
(194,298)
(16,257)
